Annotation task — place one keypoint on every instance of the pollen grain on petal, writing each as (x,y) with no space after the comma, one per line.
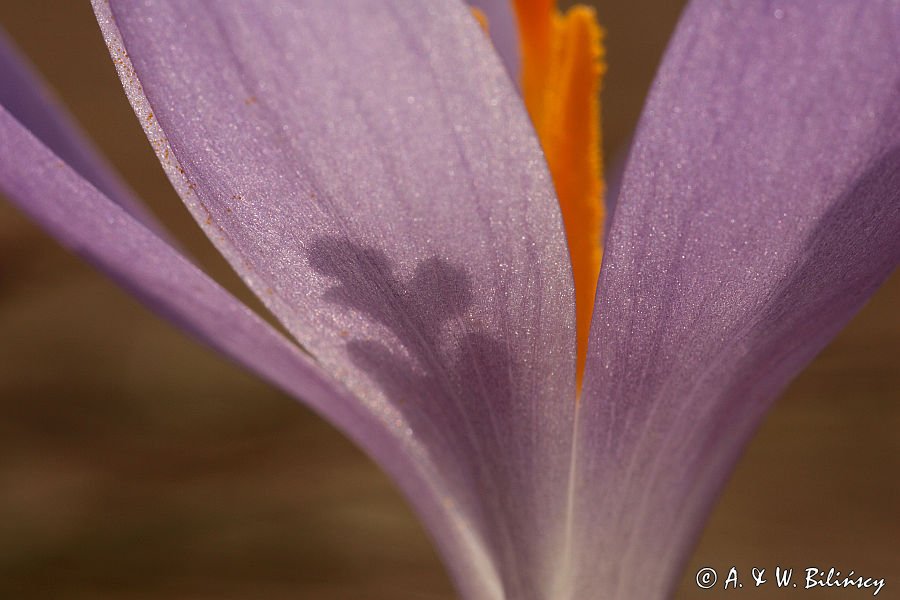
(482,19)
(562,67)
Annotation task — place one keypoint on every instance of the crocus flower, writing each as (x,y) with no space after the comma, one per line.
(371,172)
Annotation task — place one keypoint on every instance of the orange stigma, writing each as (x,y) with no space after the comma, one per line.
(562,66)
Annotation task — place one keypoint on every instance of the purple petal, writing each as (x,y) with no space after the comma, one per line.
(759,210)
(372,174)
(88,223)
(504,33)
(613,173)
(29,100)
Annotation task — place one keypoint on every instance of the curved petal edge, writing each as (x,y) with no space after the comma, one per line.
(94,227)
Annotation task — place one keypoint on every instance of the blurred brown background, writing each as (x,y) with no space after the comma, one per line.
(135,464)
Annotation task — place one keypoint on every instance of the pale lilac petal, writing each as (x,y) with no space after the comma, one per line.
(371,172)
(29,100)
(85,221)
(612,176)
(504,33)
(759,210)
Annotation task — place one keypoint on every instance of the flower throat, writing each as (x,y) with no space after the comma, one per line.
(562,67)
